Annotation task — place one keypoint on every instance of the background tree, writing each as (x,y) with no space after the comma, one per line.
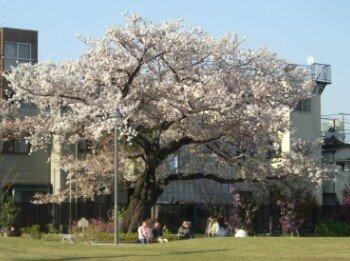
(175,87)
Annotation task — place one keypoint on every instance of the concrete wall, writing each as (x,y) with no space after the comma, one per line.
(308,127)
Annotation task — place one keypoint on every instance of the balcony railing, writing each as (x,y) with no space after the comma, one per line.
(344,136)
(321,73)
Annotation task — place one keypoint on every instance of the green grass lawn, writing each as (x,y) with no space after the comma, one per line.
(263,248)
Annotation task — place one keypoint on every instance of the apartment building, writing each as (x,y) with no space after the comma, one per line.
(25,173)
(306,119)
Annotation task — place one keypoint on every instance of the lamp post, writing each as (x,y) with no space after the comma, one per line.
(116,115)
(116,184)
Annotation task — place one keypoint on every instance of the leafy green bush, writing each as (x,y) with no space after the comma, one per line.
(90,234)
(104,237)
(168,235)
(53,230)
(8,213)
(332,228)
(128,237)
(32,232)
(52,237)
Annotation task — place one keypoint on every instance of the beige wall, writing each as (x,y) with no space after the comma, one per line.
(306,126)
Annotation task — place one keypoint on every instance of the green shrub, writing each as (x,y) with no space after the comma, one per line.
(52,237)
(8,213)
(32,232)
(128,237)
(90,234)
(104,237)
(332,228)
(168,235)
(53,230)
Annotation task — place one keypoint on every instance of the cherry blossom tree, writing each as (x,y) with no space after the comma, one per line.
(176,88)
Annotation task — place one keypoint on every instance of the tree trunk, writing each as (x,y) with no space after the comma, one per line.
(145,195)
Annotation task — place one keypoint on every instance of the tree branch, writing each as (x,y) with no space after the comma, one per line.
(176,145)
(213,177)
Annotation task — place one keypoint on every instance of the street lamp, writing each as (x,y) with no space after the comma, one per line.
(116,115)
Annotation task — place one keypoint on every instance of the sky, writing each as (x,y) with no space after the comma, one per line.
(294,29)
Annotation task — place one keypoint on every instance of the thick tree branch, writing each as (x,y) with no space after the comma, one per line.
(52,95)
(213,177)
(178,144)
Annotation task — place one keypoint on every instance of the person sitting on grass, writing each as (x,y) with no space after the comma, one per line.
(157,230)
(240,232)
(223,229)
(157,233)
(184,231)
(212,227)
(143,233)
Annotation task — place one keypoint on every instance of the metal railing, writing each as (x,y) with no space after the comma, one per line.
(321,73)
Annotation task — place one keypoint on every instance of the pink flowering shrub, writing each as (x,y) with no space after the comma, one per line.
(102,226)
(288,217)
(243,211)
(296,211)
(98,231)
(234,220)
(344,213)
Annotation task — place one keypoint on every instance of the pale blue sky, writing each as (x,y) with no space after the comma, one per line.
(294,29)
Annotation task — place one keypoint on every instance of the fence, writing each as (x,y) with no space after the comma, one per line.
(60,215)
(266,219)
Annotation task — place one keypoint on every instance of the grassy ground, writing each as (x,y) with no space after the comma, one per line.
(260,248)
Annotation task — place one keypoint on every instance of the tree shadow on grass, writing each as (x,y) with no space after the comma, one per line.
(133,255)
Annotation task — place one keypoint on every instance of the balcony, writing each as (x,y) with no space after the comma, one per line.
(318,72)
(321,73)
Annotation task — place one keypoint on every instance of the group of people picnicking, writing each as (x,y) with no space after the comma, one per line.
(150,231)
(217,226)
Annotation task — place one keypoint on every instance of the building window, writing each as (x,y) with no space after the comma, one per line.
(341,165)
(173,164)
(304,105)
(15,53)
(85,146)
(15,146)
(330,199)
(26,193)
